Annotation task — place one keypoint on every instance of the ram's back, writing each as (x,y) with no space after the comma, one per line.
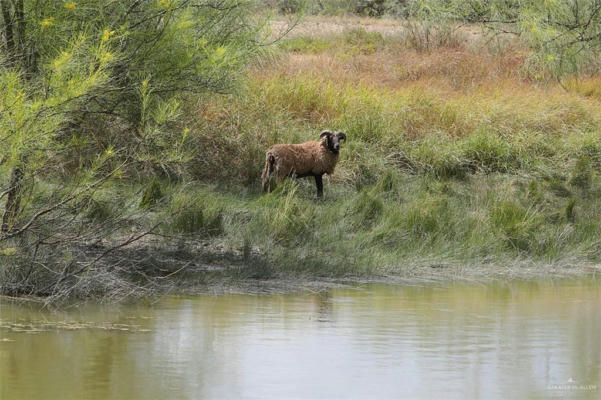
(301,159)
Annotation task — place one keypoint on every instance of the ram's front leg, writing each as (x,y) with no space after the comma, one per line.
(319,184)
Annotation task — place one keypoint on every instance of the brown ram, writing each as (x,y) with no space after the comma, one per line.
(313,158)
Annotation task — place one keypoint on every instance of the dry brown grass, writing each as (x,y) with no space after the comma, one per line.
(326,27)
(445,69)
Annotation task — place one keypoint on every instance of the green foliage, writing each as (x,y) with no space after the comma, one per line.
(92,92)
(563,34)
(117,70)
(366,208)
(292,6)
(582,175)
(487,152)
(427,217)
(368,8)
(152,194)
(288,219)
(367,42)
(195,213)
(570,210)
(98,210)
(423,35)
(304,44)
(517,223)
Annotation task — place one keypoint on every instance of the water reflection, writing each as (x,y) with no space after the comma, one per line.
(524,339)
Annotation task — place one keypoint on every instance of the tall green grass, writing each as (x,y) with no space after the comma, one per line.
(491,175)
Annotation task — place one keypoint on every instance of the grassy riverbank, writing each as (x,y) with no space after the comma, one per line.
(454,153)
(459,152)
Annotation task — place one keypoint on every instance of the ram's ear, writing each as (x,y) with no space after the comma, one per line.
(342,136)
(325,133)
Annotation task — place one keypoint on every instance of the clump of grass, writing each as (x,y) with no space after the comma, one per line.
(534,192)
(439,157)
(487,152)
(152,194)
(424,36)
(195,213)
(366,208)
(98,210)
(305,45)
(366,42)
(570,211)
(517,224)
(557,186)
(390,183)
(582,174)
(287,218)
(427,217)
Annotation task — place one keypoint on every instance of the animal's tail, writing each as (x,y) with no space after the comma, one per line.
(271,162)
(268,171)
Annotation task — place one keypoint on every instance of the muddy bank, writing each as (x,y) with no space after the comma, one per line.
(153,268)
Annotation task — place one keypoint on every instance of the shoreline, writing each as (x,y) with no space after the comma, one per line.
(219,279)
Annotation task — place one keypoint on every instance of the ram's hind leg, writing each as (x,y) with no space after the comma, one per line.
(267,173)
(265,178)
(319,184)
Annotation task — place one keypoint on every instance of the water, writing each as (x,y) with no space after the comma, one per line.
(518,340)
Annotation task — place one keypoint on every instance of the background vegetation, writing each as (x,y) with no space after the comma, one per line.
(135,134)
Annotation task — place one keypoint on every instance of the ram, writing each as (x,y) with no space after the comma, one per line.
(313,158)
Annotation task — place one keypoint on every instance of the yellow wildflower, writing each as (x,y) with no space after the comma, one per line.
(46,22)
(10,251)
(166,4)
(220,51)
(70,5)
(550,57)
(106,35)
(118,173)
(106,57)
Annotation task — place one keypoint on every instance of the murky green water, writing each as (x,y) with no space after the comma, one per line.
(519,340)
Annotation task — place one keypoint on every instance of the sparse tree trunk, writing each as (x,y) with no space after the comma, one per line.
(13,15)
(9,36)
(13,200)
(19,21)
